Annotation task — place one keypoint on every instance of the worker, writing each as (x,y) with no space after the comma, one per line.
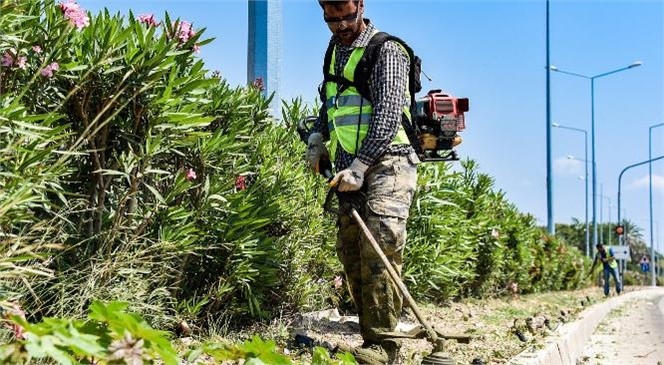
(376,168)
(610,267)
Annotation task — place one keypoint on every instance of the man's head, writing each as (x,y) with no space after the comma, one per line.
(344,18)
(599,247)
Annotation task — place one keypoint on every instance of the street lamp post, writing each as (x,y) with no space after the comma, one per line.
(654,259)
(609,228)
(601,210)
(592,128)
(620,181)
(585,148)
(620,240)
(652,244)
(551,226)
(601,213)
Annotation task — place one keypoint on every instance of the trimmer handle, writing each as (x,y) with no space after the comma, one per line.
(304,127)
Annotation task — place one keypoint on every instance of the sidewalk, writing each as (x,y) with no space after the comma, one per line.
(568,342)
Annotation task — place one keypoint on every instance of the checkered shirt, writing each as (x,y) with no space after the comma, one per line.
(388,83)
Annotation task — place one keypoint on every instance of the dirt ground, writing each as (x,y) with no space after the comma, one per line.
(500,328)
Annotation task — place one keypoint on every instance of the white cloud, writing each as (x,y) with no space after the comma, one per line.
(566,166)
(657,183)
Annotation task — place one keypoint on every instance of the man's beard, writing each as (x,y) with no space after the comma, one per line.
(348,33)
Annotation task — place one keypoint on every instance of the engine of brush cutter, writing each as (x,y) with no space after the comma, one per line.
(439,117)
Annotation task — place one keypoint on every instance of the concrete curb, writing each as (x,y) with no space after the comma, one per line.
(569,340)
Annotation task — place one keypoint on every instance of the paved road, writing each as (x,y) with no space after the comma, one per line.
(632,334)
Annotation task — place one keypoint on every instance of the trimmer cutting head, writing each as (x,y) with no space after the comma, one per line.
(438,358)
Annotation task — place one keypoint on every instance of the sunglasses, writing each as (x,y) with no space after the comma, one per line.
(336,22)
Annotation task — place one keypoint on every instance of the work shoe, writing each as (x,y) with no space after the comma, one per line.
(392,347)
(370,353)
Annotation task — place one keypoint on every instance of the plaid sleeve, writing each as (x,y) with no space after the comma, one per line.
(388,84)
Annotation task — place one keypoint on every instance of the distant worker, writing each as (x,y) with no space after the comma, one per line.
(645,264)
(610,267)
(645,268)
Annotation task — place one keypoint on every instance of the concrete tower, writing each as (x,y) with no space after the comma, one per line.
(264,48)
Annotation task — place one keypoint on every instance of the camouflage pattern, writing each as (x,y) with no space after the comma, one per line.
(384,204)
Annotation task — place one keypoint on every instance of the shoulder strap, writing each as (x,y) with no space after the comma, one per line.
(326,70)
(368,62)
(370,58)
(328,76)
(365,68)
(327,61)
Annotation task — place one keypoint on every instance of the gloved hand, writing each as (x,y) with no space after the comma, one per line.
(316,151)
(352,178)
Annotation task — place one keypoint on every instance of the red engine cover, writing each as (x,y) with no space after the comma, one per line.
(446,107)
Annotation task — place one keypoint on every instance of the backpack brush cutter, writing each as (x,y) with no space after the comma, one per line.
(438,118)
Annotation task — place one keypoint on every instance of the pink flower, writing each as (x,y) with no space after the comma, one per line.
(76,16)
(191,174)
(258,84)
(15,310)
(49,70)
(8,58)
(241,182)
(184,31)
(37,49)
(196,49)
(71,6)
(148,19)
(20,62)
(338,282)
(11,58)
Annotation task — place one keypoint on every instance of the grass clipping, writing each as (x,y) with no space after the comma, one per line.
(499,328)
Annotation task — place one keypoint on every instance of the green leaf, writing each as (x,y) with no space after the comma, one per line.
(155,193)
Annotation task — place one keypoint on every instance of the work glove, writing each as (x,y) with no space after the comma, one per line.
(352,178)
(316,151)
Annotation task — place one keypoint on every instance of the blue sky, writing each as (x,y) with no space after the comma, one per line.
(493,52)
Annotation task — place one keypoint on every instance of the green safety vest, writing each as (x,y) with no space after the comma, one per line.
(348,113)
(609,253)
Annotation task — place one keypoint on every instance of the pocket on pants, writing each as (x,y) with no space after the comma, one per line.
(384,206)
(392,180)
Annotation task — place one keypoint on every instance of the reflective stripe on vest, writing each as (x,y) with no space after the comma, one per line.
(348,110)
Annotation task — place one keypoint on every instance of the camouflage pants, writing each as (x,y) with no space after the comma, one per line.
(388,192)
